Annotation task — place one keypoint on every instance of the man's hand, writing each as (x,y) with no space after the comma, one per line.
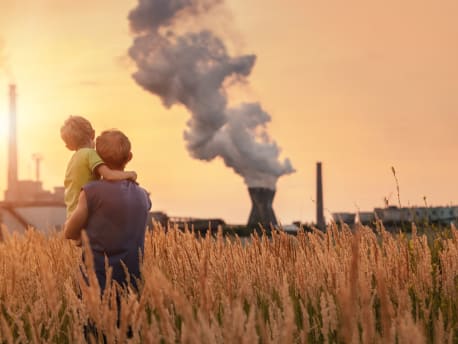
(74,225)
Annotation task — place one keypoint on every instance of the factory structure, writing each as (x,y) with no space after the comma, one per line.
(26,204)
(394,216)
(262,212)
(391,216)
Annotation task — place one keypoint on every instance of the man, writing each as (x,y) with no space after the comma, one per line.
(113,213)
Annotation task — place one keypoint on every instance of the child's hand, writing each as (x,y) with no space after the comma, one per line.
(132,175)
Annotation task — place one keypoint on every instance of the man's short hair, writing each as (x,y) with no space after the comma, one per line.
(113,147)
(76,132)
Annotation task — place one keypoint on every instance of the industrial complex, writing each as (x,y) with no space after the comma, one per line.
(393,215)
(26,204)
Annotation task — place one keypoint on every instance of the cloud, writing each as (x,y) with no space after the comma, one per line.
(191,68)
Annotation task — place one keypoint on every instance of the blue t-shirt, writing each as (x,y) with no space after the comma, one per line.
(117,218)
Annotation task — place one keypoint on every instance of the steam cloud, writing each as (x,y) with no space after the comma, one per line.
(193,69)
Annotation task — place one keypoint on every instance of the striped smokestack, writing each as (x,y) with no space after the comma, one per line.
(12,147)
(320,223)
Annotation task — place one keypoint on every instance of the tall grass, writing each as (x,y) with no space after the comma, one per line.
(341,286)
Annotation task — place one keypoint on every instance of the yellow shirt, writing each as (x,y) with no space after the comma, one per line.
(80,171)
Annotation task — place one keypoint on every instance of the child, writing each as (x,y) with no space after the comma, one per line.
(85,165)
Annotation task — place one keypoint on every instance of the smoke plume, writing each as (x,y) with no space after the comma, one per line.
(193,69)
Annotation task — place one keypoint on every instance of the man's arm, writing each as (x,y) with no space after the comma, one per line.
(74,225)
(109,174)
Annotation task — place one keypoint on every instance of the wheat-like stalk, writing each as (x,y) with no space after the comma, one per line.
(341,286)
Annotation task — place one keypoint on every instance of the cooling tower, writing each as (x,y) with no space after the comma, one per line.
(261,211)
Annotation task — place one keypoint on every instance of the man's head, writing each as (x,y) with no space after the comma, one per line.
(114,148)
(77,132)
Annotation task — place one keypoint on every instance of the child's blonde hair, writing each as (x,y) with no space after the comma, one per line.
(113,146)
(76,132)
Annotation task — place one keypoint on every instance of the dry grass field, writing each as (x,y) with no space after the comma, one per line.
(337,287)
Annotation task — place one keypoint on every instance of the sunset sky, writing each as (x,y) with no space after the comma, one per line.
(359,85)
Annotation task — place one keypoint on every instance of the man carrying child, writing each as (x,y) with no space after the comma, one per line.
(113,213)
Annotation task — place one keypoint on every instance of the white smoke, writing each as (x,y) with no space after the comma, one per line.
(191,69)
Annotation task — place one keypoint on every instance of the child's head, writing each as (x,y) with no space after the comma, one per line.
(77,132)
(114,148)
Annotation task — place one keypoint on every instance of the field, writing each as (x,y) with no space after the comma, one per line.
(339,287)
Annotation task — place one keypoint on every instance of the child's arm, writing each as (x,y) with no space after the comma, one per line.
(109,174)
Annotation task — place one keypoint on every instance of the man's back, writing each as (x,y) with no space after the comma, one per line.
(117,216)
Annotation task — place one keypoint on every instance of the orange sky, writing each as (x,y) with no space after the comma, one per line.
(359,85)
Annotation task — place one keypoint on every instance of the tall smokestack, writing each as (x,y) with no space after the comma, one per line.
(320,223)
(262,211)
(12,147)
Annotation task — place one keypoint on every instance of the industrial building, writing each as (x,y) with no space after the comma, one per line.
(26,204)
(393,215)
(262,212)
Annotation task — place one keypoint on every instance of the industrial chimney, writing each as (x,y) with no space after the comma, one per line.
(11,193)
(262,211)
(320,222)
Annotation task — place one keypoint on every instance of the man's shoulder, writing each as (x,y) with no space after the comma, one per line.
(139,188)
(117,184)
(103,188)
(147,196)
(94,184)
(136,185)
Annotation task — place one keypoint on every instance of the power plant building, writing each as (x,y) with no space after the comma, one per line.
(393,215)
(26,204)
(262,213)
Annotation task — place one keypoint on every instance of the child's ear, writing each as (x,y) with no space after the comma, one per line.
(129,158)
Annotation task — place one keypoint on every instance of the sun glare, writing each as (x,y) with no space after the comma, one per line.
(3,126)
